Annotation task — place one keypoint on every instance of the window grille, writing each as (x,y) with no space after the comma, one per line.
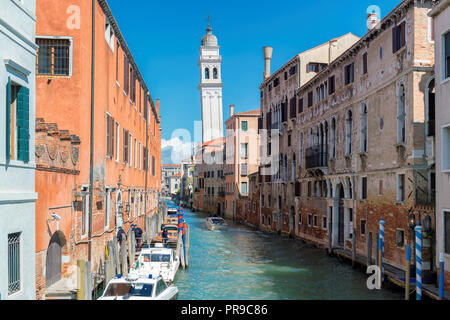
(13,263)
(53,57)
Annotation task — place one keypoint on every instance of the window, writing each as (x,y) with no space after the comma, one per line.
(215,73)
(132,85)
(363,227)
(17,122)
(398,37)
(244,126)
(244,190)
(270,201)
(348,135)
(300,105)
(309,189)
(324,222)
(364,188)
(130,148)
(85,211)
(332,85)
(364,136)
(107,207)
(333,138)
(289,140)
(126,152)
(315,221)
(309,219)
(117,141)
(380,188)
(446,148)
(276,82)
(293,107)
(293,70)
(400,238)
(285,75)
(300,155)
(262,201)
(53,57)
(381,53)
(350,223)
(364,63)
(110,124)
(207,73)
(310,99)
(447,231)
(349,73)
(446,49)
(14,258)
(401,188)
(126,74)
(401,116)
(117,62)
(109,34)
(135,153)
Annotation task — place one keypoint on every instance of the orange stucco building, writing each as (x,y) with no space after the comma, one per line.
(126,136)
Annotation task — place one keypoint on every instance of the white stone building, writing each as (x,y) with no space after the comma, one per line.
(17,161)
(211,87)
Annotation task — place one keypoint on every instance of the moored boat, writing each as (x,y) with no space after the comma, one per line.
(157,261)
(134,287)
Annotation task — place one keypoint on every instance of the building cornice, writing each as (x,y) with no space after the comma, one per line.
(439,8)
(393,17)
(105,7)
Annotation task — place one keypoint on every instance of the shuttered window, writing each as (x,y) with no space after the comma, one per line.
(110,124)
(17,122)
(364,63)
(349,73)
(132,85)
(447,56)
(310,99)
(125,145)
(300,105)
(332,85)
(126,75)
(293,107)
(398,37)
(145,106)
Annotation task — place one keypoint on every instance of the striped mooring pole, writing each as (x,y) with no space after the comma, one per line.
(441,275)
(418,230)
(382,222)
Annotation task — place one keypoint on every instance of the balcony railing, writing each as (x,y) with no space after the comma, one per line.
(315,158)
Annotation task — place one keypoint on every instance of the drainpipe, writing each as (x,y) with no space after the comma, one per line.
(146,150)
(91,168)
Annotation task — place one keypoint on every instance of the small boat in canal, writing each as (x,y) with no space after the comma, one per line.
(215,223)
(172,235)
(157,261)
(134,287)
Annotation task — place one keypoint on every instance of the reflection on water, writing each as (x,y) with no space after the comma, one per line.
(238,263)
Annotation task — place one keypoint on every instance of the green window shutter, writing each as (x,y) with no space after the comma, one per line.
(23,124)
(8,119)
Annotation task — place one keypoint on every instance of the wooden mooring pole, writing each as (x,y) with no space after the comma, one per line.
(407,271)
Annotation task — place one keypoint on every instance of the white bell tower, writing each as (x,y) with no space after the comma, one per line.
(211,87)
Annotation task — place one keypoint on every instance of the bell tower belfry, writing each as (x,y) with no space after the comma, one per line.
(211,87)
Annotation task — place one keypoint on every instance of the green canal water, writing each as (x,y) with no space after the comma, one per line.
(239,263)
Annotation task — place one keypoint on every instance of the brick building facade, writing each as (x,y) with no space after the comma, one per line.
(126,140)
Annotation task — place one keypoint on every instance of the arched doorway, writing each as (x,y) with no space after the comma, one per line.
(53,259)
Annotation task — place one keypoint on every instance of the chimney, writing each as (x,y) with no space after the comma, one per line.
(231,110)
(267,57)
(372,20)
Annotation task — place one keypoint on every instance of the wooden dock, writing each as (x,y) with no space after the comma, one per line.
(395,275)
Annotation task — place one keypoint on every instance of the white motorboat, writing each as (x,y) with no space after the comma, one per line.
(215,223)
(134,287)
(157,261)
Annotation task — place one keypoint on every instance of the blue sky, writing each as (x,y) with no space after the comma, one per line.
(164,37)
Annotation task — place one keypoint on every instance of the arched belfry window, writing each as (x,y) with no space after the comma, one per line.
(215,74)
(207,73)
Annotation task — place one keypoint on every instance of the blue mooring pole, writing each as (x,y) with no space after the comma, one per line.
(418,230)
(382,223)
(441,275)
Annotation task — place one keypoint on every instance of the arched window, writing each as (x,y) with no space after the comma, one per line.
(207,73)
(215,74)
(349,128)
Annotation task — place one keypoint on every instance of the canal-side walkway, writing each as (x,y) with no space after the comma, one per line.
(395,275)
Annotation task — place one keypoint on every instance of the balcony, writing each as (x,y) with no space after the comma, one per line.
(315,159)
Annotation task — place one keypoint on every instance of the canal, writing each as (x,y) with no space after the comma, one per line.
(239,263)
